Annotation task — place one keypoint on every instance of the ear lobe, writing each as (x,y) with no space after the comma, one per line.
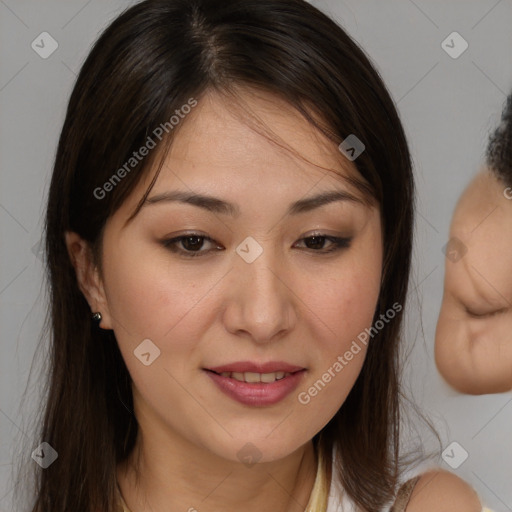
(88,276)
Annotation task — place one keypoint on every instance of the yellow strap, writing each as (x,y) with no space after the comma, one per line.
(320,492)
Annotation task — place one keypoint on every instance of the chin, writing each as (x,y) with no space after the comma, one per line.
(250,450)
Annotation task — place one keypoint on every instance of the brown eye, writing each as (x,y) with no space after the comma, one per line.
(190,245)
(316,243)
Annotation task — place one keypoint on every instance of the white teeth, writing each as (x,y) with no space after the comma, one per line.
(252,377)
(268,377)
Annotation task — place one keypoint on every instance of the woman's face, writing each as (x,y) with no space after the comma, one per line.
(260,292)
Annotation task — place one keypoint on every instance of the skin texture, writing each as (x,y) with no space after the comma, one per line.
(473,347)
(291,304)
(443,491)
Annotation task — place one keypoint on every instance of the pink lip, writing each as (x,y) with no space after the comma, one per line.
(248,366)
(257,393)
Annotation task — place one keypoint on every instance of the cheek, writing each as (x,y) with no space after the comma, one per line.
(344,311)
(149,298)
(349,311)
(346,298)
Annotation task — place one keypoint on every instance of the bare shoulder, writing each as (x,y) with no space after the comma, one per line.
(443,491)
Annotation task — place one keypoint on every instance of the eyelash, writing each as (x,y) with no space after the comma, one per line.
(338,244)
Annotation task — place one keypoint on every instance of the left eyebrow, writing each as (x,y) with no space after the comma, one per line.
(217,205)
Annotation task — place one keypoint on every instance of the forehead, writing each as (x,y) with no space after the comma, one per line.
(253,138)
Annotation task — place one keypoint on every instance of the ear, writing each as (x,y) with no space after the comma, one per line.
(88,276)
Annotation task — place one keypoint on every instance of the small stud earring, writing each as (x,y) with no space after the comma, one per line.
(96,317)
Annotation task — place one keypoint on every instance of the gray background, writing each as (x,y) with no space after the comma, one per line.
(447,105)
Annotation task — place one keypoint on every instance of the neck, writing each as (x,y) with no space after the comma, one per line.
(174,474)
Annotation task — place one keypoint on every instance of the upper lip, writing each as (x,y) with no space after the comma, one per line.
(248,366)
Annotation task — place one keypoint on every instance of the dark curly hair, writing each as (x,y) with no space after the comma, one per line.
(499,149)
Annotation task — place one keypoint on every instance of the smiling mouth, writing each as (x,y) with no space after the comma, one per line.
(257,389)
(255,378)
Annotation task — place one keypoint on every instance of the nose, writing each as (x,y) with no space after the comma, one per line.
(262,303)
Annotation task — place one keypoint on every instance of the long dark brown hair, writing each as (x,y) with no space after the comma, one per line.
(149,62)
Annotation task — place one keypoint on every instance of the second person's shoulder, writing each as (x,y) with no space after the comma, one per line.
(443,491)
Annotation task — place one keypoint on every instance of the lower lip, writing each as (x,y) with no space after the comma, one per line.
(257,393)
